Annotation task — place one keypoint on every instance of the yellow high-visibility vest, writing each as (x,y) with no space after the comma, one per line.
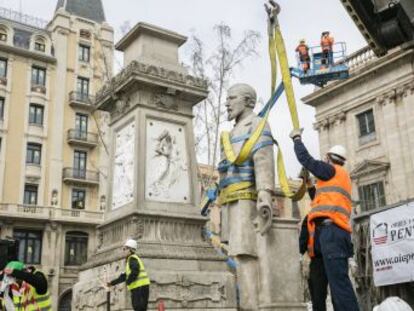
(142,278)
(32,301)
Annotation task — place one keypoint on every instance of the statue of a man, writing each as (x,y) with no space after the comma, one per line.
(252,183)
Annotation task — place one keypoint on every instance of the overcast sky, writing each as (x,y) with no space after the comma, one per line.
(298,19)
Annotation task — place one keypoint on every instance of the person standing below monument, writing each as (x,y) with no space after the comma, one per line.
(245,191)
(135,277)
(329,227)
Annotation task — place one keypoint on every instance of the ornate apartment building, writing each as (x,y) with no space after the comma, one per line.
(52,157)
(372,115)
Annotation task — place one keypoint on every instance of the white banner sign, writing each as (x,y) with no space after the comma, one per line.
(392,240)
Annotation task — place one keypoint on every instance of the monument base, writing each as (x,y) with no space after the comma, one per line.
(280,284)
(186,272)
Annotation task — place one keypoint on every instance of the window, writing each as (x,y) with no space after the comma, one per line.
(82,87)
(78,198)
(371,196)
(30,194)
(22,38)
(34,153)
(76,248)
(84,53)
(36,114)
(81,126)
(366,123)
(38,76)
(40,46)
(29,246)
(1,108)
(3,68)
(79,164)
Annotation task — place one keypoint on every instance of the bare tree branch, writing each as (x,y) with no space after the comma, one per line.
(218,69)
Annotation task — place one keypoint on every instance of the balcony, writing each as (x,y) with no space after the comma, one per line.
(359,59)
(25,211)
(23,18)
(81,100)
(77,215)
(84,139)
(80,177)
(37,212)
(38,88)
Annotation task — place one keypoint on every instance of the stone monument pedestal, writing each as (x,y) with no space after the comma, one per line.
(185,271)
(281,286)
(154,192)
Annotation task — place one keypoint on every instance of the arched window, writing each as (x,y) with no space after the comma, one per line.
(76,248)
(3,34)
(40,44)
(65,302)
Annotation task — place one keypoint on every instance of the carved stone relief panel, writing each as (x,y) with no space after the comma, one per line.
(187,291)
(167,175)
(89,293)
(123,166)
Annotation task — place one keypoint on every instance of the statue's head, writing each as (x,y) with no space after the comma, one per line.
(241,98)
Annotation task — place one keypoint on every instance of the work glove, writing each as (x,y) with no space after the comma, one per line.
(296,133)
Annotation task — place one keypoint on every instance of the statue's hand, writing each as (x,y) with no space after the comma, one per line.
(263,221)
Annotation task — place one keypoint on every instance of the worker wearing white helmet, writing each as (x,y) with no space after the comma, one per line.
(328,227)
(135,276)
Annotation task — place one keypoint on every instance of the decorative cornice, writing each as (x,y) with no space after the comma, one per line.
(155,74)
(43,57)
(395,94)
(330,121)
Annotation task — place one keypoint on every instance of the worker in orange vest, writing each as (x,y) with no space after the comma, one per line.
(303,52)
(329,227)
(327,42)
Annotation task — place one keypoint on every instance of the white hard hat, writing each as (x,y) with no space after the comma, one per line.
(338,150)
(393,304)
(131,244)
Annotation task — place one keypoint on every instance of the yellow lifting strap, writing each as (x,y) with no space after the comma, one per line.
(247,146)
(277,47)
(286,78)
(239,191)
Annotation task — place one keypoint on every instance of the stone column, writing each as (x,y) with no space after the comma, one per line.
(281,285)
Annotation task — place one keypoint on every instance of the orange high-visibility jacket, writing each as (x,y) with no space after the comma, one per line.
(327,43)
(332,200)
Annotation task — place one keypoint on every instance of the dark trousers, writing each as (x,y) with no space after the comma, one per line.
(327,57)
(139,298)
(333,247)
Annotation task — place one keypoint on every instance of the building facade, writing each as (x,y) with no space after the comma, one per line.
(53,157)
(372,115)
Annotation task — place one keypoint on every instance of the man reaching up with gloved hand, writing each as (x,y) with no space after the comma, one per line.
(329,225)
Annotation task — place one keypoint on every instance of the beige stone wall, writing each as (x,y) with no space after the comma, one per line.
(63,68)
